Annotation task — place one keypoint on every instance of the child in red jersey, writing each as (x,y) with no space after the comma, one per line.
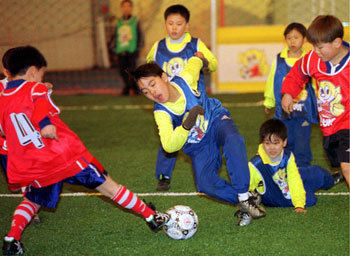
(329,65)
(3,145)
(43,152)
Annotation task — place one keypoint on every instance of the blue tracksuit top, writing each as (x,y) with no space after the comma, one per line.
(305,107)
(212,106)
(274,194)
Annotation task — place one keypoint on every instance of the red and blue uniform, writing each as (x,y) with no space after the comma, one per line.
(333,89)
(26,108)
(333,101)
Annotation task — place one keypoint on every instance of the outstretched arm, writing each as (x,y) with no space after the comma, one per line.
(191,71)
(213,63)
(293,84)
(173,139)
(49,132)
(295,183)
(269,94)
(41,116)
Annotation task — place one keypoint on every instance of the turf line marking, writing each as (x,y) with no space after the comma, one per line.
(167,194)
(150,106)
(332,193)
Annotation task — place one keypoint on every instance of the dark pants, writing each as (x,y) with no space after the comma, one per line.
(299,136)
(336,147)
(127,62)
(165,163)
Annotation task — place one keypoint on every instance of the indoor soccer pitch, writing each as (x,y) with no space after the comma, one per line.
(121,133)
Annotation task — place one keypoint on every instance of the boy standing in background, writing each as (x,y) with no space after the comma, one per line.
(172,54)
(127,42)
(299,125)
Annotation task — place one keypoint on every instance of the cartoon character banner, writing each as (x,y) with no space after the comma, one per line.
(246,62)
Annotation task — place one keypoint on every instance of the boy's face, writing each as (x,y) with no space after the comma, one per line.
(155,88)
(294,40)
(126,9)
(175,26)
(273,145)
(327,51)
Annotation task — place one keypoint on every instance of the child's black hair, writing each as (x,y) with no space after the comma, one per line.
(177,9)
(146,70)
(17,60)
(272,127)
(297,26)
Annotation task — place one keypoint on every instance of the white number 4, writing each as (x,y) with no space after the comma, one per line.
(25,131)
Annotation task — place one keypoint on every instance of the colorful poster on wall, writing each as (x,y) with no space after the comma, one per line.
(245,67)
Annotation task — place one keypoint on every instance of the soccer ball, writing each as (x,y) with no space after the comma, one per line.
(183,222)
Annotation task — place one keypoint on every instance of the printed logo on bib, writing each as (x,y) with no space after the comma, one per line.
(125,35)
(280,178)
(329,103)
(298,102)
(175,66)
(198,131)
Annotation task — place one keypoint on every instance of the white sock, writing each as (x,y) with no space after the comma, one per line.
(8,239)
(243,196)
(150,218)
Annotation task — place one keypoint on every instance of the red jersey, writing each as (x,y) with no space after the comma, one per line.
(332,89)
(3,148)
(32,159)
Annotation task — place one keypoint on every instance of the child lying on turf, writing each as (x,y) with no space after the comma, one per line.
(275,176)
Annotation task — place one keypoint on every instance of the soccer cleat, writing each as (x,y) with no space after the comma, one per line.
(163,184)
(338,177)
(244,218)
(158,220)
(256,197)
(249,206)
(12,247)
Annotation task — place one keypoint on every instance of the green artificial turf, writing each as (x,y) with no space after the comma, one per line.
(125,140)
